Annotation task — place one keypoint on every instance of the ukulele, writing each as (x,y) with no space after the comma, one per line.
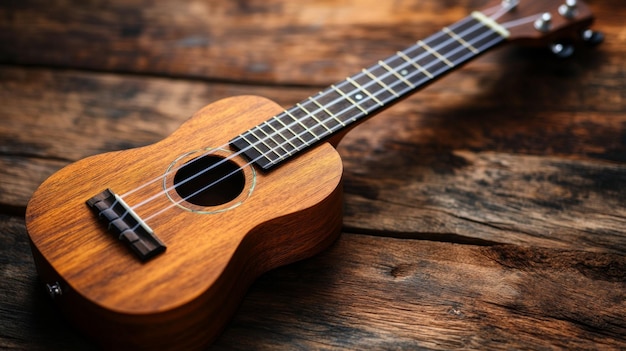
(154,247)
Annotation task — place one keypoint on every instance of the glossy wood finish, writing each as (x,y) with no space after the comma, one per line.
(182,297)
(501,184)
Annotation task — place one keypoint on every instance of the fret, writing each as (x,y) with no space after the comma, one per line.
(267,138)
(312,115)
(480,36)
(451,51)
(308,117)
(254,151)
(414,64)
(435,53)
(294,138)
(374,78)
(459,39)
(483,39)
(305,129)
(264,145)
(340,107)
(284,144)
(361,88)
(406,71)
(396,73)
(359,96)
(425,59)
(387,77)
(371,87)
(256,144)
(349,99)
(330,114)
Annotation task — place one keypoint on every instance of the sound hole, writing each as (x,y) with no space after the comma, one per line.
(209,181)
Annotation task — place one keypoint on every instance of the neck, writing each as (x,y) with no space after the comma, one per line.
(346,103)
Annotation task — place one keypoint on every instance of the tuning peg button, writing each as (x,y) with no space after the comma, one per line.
(562,50)
(544,22)
(568,9)
(592,38)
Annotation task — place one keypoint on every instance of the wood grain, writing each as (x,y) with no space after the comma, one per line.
(86,114)
(439,296)
(383,293)
(183,297)
(213,39)
(444,136)
(496,198)
(487,210)
(319,42)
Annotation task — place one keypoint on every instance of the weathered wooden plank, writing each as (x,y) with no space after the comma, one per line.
(19,178)
(251,40)
(408,171)
(381,293)
(29,320)
(477,198)
(515,148)
(304,42)
(490,197)
(51,118)
(71,115)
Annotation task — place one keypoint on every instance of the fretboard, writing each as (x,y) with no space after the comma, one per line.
(362,95)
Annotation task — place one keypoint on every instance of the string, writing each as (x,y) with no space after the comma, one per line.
(492,10)
(476,39)
(504,9)
(388,88)
(520,21)
(237,170)
(286,127)
(408,63)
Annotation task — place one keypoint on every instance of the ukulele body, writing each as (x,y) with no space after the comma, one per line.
(183,297)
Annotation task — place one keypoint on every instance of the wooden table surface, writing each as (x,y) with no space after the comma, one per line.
(486,211)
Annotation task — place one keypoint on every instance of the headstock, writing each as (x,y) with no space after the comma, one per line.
(553,23)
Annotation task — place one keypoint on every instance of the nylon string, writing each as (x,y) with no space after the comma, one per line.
(471,30)
(473,40)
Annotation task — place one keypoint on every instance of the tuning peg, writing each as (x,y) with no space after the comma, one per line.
(544,22)
(591,37)
(568,9)
(562,50)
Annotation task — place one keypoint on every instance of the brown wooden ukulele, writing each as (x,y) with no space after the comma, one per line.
(154,247)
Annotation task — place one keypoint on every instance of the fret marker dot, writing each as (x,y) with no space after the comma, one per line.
(358,96)
(404,72)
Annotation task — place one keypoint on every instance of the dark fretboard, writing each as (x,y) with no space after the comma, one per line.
(343,104)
